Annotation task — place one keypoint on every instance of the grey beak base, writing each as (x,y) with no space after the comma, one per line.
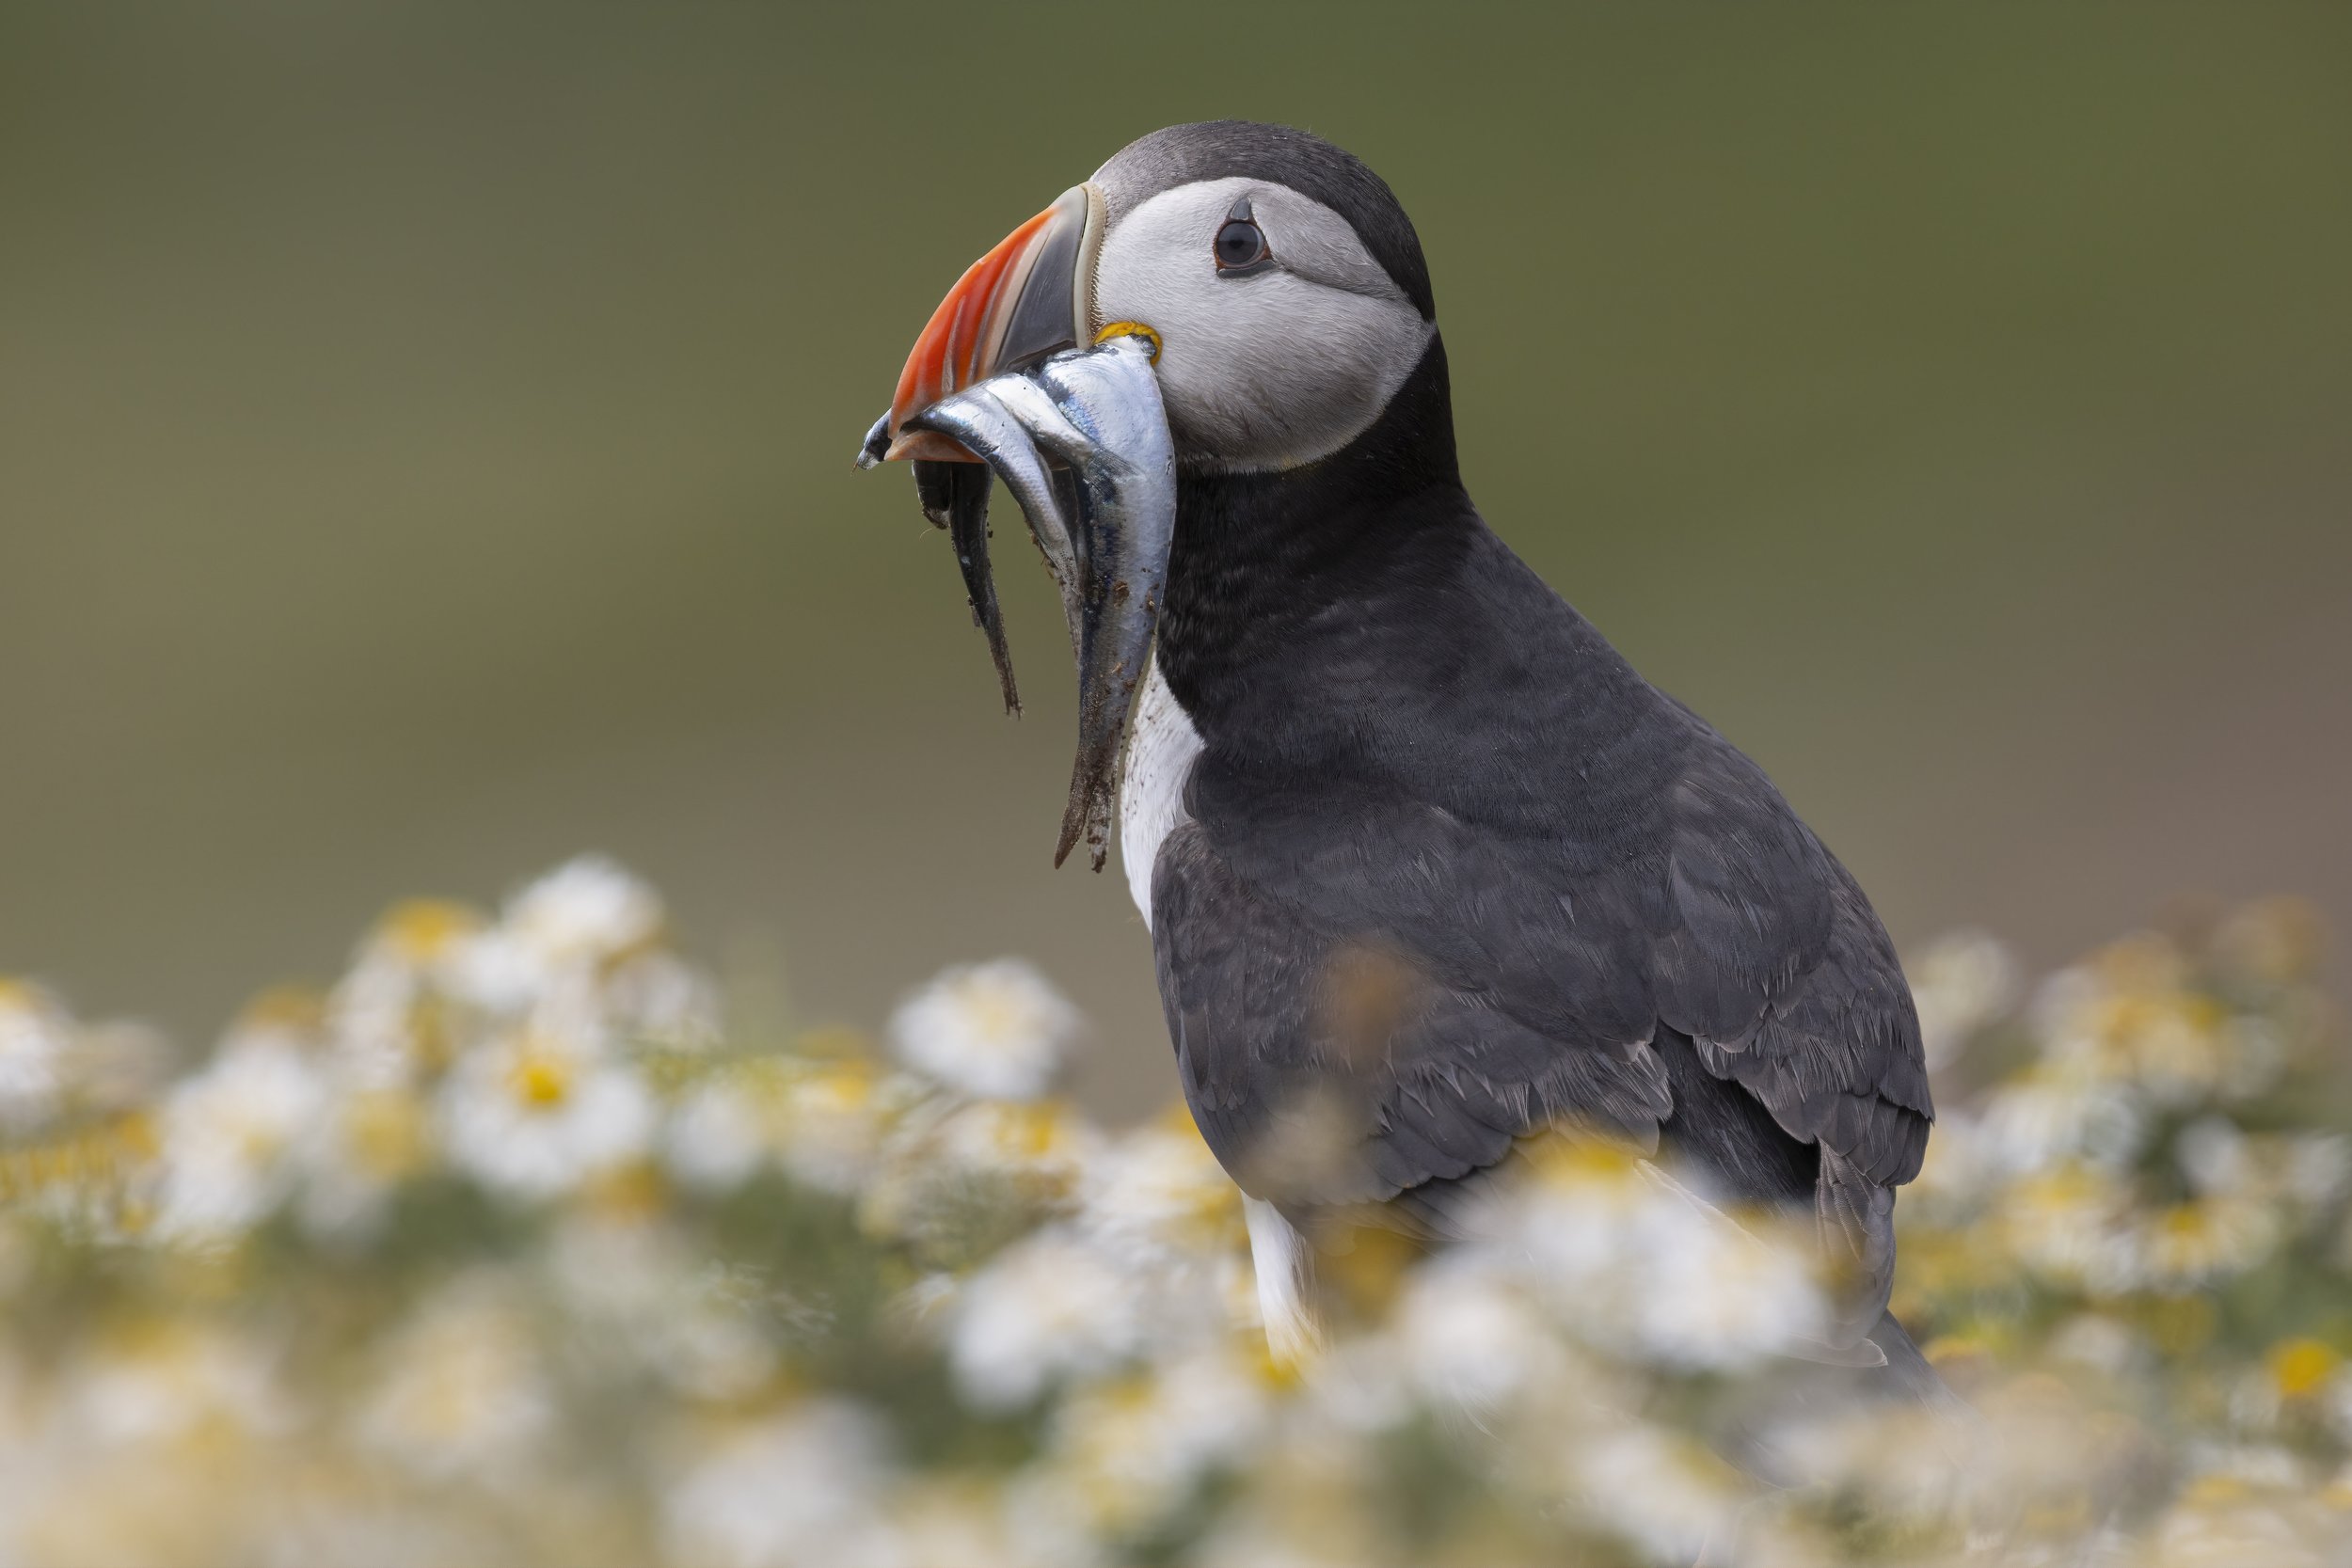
(1045,319)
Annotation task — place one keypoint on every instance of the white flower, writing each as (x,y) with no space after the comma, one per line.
(548,957)
(2072,1224)
(365,1143)
(720,1133)
(1469,1339)
(533,1118)
(1136,1446)
(1657,1491)
(1046,1307)
(1895,1455)
(2222,1160)
(2051,1114)
(375,1025)
(494,973)
(586,911)
(461,1388)
(2097,1341)
(1634,1262)
(2131,1017)
(35,1040)
(2202,1241)
(1044,1141)
(2223,1522)
(228,1132)
(1717,1296)
(166,1379)
(996,1030)
(832,1118)
(2318,1165)
(1157,1196)
(712,1348)
(945,1152)
(824,1122)
(2212,1154)
(1959,1171)
(2259,1465)
(636,1286)
(663,1000)
(1962,982)
(802,1491)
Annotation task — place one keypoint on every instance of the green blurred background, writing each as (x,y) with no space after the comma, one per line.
(424,438)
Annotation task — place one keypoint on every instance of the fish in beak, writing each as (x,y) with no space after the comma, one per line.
(1003,383)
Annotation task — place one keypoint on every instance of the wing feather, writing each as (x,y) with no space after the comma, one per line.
(1376,997)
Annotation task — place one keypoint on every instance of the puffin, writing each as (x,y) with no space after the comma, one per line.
(1430,871)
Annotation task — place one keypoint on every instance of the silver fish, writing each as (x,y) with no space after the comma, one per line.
(1082,435)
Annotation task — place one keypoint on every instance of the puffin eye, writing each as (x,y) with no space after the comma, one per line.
(1241,244)
(1238,243)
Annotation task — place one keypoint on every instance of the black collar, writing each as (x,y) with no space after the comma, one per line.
(1262,562)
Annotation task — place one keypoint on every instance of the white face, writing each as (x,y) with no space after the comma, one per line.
(1266,367)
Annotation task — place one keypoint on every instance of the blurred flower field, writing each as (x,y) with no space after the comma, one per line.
(514,1248)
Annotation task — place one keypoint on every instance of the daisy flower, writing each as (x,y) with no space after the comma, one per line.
(228,1131)
(1045,1309)
(996,1030)
(534,1118)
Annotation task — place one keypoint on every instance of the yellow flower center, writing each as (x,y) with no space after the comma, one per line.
(2301,1367)
(542,1081)
(386,1132)
(994,1017)
(845,1087)
(423,928)
(1032,1131)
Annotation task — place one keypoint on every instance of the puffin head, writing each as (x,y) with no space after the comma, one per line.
(1281,282)
(1286,306)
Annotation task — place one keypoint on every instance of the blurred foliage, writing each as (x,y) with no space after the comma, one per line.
(509,1249)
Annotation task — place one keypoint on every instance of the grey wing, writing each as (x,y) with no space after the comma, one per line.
(1772,962)
(1837,1062)
(1374,1004)
(1328,1069)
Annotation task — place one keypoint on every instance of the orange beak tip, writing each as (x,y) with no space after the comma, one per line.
(1025,297)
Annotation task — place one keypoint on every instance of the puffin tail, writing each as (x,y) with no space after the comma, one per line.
(1909,1371)
(1762,1429)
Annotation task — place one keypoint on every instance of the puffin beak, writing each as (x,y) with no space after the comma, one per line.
(1084,447)
(1028,297)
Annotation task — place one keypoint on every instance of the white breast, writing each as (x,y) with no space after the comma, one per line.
(1161,748)
(1160,752)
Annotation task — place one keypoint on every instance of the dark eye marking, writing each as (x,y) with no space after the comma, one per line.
(1241,246)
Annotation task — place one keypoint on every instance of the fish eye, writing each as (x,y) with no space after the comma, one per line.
(1241,244)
